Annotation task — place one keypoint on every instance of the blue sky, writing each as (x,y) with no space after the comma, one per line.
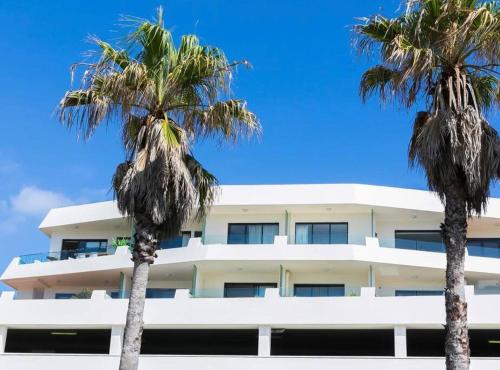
(303,87)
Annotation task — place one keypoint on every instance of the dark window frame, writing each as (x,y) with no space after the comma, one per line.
(255,287)
(420,232)
(310,240)
(295,286)
(246,224)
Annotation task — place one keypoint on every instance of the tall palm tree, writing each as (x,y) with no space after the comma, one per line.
(165,97)
(444,53)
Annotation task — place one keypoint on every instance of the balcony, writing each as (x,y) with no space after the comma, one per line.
(65,255)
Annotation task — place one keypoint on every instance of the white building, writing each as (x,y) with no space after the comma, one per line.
(275,277)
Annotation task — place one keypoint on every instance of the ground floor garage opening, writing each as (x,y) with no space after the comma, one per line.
(200,342)
(91,341)
(430,343)
(299,342)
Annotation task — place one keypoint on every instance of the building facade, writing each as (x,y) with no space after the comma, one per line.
(280,276)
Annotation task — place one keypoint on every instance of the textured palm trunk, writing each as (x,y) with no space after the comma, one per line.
(143,256)
(455,233)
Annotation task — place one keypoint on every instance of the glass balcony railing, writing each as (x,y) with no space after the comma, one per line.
(64,255)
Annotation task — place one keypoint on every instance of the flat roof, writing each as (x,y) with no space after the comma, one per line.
(279,195)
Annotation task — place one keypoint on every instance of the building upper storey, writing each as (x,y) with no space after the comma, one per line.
(264,226)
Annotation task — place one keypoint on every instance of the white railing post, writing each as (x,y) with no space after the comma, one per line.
(400,341)
(264,341)
(115,343)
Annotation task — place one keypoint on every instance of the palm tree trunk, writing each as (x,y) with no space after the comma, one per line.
(143,256)
(455,237)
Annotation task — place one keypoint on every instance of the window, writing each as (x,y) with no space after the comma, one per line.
(160,293)
(412,293)
(430,241)
(64,295)
(321,233)
(318,290)
(484,247)
(239,290)
(252,233)
(198,234)
(72,247)
(114,295)
(177,242)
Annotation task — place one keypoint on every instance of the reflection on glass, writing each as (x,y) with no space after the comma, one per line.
(430,241)
(241,290)
(321,233)
(319,290)
(252,233)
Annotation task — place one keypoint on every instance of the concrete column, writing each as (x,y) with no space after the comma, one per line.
(372,282)
(125,285)
(115,343)
(264,341)
(399,341)
(3,338)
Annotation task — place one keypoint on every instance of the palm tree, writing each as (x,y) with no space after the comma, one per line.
(444,53)
(165,97)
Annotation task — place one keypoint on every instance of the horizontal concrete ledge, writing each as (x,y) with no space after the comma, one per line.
(106,362)
(184,311)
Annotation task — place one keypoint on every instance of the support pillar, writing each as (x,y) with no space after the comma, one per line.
(400,341)
(115,344)
(124,287)
(3,338)
(372,282)
(264,341)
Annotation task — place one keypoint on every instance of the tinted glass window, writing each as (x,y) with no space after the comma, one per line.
(321,233)
(430,241)
(64,295)
(252,233)
(177,242)
(484,247)
(160,293)
(319,290)
(412,293)
(239,290)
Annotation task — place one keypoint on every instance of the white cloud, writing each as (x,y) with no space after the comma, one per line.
(33,201)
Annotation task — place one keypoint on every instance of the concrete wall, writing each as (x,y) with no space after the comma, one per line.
(106,362)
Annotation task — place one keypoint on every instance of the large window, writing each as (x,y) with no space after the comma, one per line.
(252,233)
(430,241)
(160,293)
(484,247)
(318,290)
(321,233)
(177,242)
(413,293)
(73,247)
(239,290)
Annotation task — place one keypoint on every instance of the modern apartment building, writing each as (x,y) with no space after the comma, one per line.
(275,277)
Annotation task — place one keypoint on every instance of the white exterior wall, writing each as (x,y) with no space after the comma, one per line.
(103,362)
